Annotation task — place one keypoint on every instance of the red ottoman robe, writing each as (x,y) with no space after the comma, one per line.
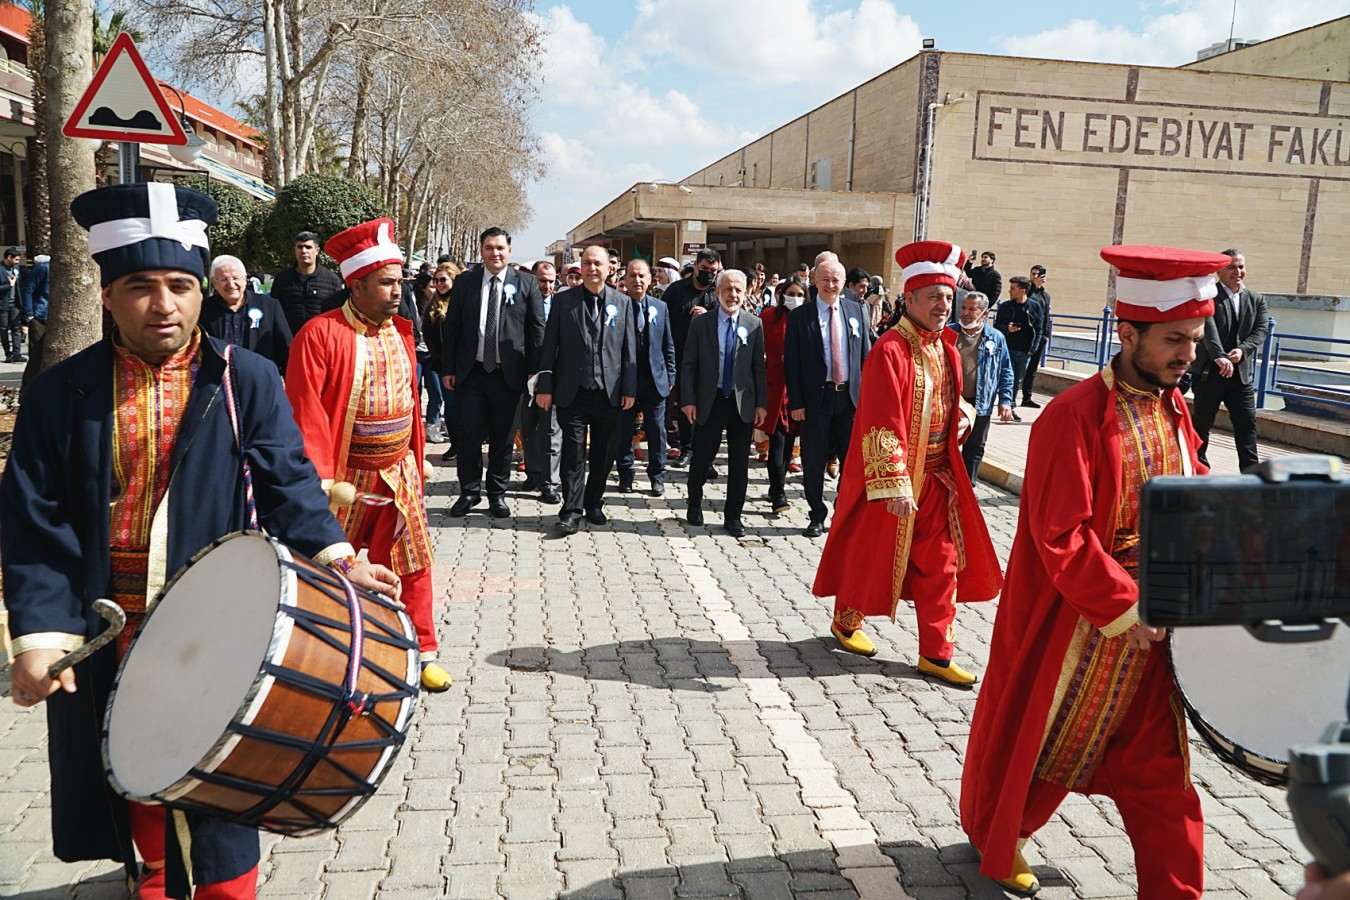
(868,548)
(1060,569)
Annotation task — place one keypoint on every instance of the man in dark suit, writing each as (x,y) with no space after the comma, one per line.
(1225,362)
(723,388)
(688,298)
(655,375)
(826,342)
(490,338)
(236,315)
(588,367)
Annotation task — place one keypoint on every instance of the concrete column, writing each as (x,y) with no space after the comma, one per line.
(690,231)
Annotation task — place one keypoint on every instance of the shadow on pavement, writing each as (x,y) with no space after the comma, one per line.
(946,873)
(682,664)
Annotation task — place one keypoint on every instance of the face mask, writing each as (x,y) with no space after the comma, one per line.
(704,278)
(792,301)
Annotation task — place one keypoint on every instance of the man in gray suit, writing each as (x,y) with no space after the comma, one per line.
(588,367)
(1225,361)
(656,374)
(723,389)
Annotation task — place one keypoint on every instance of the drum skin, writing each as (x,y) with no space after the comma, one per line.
(1251,700)
(299,753)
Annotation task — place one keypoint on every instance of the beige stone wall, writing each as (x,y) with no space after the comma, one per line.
(884,151)
(1013,190)
(1048,161)
(1318,52)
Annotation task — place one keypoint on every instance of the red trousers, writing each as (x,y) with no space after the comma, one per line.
(376,536)
(1146,771)
(147,833)
(930,576)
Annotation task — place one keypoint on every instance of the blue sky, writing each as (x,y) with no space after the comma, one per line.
(659,88)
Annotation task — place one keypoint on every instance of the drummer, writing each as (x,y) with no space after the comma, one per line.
(1079,695)
(124,465)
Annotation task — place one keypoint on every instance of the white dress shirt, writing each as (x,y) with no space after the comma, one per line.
(483,307)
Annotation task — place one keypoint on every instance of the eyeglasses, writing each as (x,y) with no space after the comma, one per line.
(441,280)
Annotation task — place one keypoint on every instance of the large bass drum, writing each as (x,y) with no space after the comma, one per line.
(1251,700)
(253,693)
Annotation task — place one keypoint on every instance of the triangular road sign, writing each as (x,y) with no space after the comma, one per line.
(124,103)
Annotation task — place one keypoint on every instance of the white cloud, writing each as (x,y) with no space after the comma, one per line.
(782,42)
(574,56)
(1172,38)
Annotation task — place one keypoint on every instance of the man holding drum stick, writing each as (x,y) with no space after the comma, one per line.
(124,465)
(1079,695)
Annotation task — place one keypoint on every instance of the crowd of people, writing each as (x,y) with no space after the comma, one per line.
(114,485)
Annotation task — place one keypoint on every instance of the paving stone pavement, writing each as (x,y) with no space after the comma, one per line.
(649,710)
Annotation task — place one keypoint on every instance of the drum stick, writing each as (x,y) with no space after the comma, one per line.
(344,493)
(117,620)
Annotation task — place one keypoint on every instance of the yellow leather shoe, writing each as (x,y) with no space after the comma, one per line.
(857,642)
(1022,882)
(435,680)
(950,673)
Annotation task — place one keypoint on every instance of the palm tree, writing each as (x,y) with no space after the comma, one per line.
(105,35)
(39,236)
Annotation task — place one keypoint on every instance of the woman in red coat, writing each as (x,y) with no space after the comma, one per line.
(781,430)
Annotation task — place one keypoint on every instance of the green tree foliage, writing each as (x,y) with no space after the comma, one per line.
(323,204)
(235,225)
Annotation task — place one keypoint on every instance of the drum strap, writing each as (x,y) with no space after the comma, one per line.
(357,702)
(232,409)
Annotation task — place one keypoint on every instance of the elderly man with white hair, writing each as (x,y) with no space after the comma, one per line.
(235,313)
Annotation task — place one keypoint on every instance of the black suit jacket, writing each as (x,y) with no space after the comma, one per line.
(1222,333)
(565,360)
(701,384)
(520,327)
(265,333)
(804,353)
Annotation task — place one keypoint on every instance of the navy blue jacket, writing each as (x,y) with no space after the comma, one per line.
(265,332)
(54,539)
(656,371)
(804,353)
(34,287)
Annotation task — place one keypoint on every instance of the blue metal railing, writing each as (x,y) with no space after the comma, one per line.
(1092,340)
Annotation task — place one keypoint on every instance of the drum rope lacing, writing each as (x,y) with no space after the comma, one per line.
(228,385)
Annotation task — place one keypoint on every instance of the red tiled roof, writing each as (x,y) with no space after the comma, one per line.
(213,118)
(14,21)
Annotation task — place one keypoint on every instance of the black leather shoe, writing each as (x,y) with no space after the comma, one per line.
(549,495)
(658,488)
(1031,404)
(597,516)
(449,454)
(462,506)
(680,462)
(625,485)
(498,507)
(530,484)
(735,528)
(694,516)
(712,473)
(568,523)
(815,529)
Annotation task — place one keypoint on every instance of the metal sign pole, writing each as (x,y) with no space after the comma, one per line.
(128,162)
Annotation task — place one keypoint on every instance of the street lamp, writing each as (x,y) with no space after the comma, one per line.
(185,153)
